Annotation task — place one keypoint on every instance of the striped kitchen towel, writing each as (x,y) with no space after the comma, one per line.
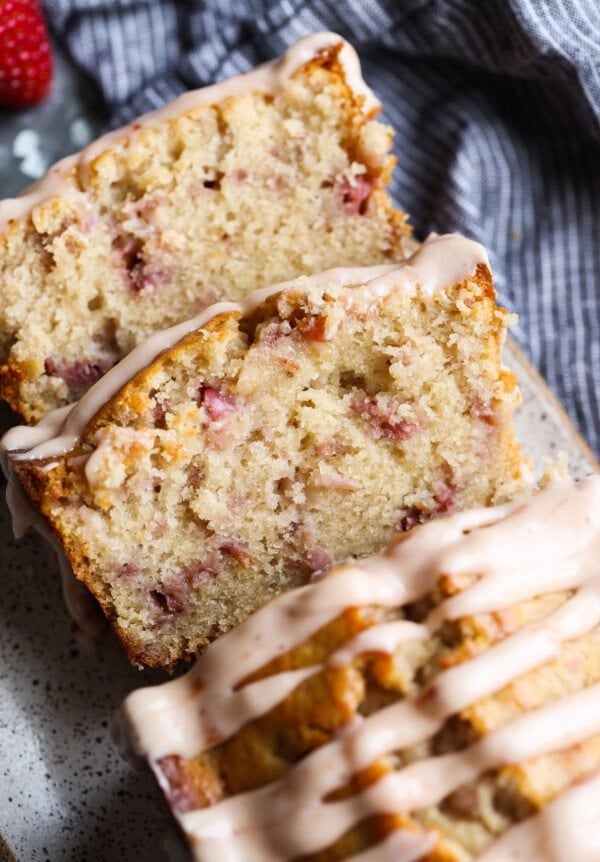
(496,109)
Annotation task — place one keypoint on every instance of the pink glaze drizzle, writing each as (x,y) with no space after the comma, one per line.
(567,829)
(399,846)
(514,553)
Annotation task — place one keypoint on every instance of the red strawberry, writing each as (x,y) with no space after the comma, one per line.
(25,58)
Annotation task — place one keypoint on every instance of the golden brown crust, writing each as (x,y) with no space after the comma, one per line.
(218,330)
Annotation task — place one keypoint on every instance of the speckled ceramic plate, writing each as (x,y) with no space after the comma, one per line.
(64,793)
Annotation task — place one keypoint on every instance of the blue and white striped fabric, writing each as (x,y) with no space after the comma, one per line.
(496,108)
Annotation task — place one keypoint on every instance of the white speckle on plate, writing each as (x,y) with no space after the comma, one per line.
(80,132)
(26,146)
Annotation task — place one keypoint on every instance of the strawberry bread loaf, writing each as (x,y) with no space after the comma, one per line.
(437,702)
(272,437)
(260,178)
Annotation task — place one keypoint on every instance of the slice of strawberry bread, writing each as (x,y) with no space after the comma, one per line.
(438,702)
(260,178)
(299,427)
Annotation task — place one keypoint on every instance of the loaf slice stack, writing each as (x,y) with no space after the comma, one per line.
(261,178)
(304,425)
